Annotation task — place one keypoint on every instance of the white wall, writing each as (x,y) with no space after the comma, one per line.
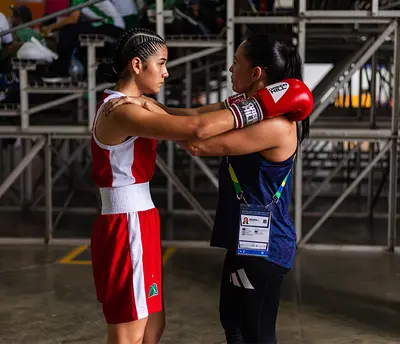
(314,73)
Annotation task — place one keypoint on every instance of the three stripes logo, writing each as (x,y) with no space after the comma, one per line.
(240,279)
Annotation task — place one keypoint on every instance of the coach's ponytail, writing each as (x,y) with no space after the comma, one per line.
(293,70)
(277,61)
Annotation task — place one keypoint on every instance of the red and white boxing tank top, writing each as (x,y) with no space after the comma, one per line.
(131,162)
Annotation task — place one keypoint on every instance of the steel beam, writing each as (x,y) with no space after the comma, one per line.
(372,114)
(264,20)
(350,134)
(75,155)
(230,42)
(339,69)
(312,17)
(195,43)
(24,100)
(343,79)
(44,129)
(193,56)
(389,5)
(53,103)
(81,242)
(375,8)
(329,178)
(206,170)
(50,16)
(48,192)
(302,7)
(163,166)
(346,248)
(347,20)
(91,72)
(298,173)
(345,194)
(393,154)
(62,89)
(21,166)
(160,18)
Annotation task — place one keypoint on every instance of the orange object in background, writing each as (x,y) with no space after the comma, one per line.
(5,6)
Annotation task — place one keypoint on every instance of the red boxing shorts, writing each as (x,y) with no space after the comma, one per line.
(126,255)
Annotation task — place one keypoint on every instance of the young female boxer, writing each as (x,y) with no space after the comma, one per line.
(125,244)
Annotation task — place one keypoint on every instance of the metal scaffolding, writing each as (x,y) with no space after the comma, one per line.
(350,152)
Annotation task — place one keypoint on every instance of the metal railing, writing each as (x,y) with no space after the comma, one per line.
(50,16)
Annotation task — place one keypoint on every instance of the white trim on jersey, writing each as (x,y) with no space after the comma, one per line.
(136,250)
(121,162)
(121,155)
(112,95)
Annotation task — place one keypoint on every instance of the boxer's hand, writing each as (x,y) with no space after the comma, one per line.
(112,104)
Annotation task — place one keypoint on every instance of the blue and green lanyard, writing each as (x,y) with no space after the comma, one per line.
(239,191)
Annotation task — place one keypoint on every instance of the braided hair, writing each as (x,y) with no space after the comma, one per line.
(138,42)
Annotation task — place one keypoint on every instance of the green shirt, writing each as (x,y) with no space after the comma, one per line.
(24,35)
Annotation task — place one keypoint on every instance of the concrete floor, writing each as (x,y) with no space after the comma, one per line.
(327,298)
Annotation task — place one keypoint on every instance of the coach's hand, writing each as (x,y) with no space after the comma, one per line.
(112,104)
(144,102)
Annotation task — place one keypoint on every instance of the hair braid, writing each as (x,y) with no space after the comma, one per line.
(138,42)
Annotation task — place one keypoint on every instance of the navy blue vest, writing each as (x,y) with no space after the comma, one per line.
(259,180)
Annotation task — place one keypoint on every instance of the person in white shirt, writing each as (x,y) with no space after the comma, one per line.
(128,9)
(101,18)
(5,40)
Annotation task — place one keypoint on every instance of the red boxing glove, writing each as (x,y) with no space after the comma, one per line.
(237,98)
(291,97)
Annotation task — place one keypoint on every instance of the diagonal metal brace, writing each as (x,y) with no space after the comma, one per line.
(169,173)
(21,166)
(346,76)
(329,178)
(345,194)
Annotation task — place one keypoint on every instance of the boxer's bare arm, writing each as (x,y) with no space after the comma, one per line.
(133,120)
(172,111)
(194,111)
(169,127)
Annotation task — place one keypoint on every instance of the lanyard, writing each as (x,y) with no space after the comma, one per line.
(239,191)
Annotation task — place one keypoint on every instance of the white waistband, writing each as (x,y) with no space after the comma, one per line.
(126,199)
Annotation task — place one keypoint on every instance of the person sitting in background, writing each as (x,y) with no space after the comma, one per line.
(5,42)
(21,15)
(129,11)
(101,18)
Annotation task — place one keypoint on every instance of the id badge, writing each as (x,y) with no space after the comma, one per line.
(254,231)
